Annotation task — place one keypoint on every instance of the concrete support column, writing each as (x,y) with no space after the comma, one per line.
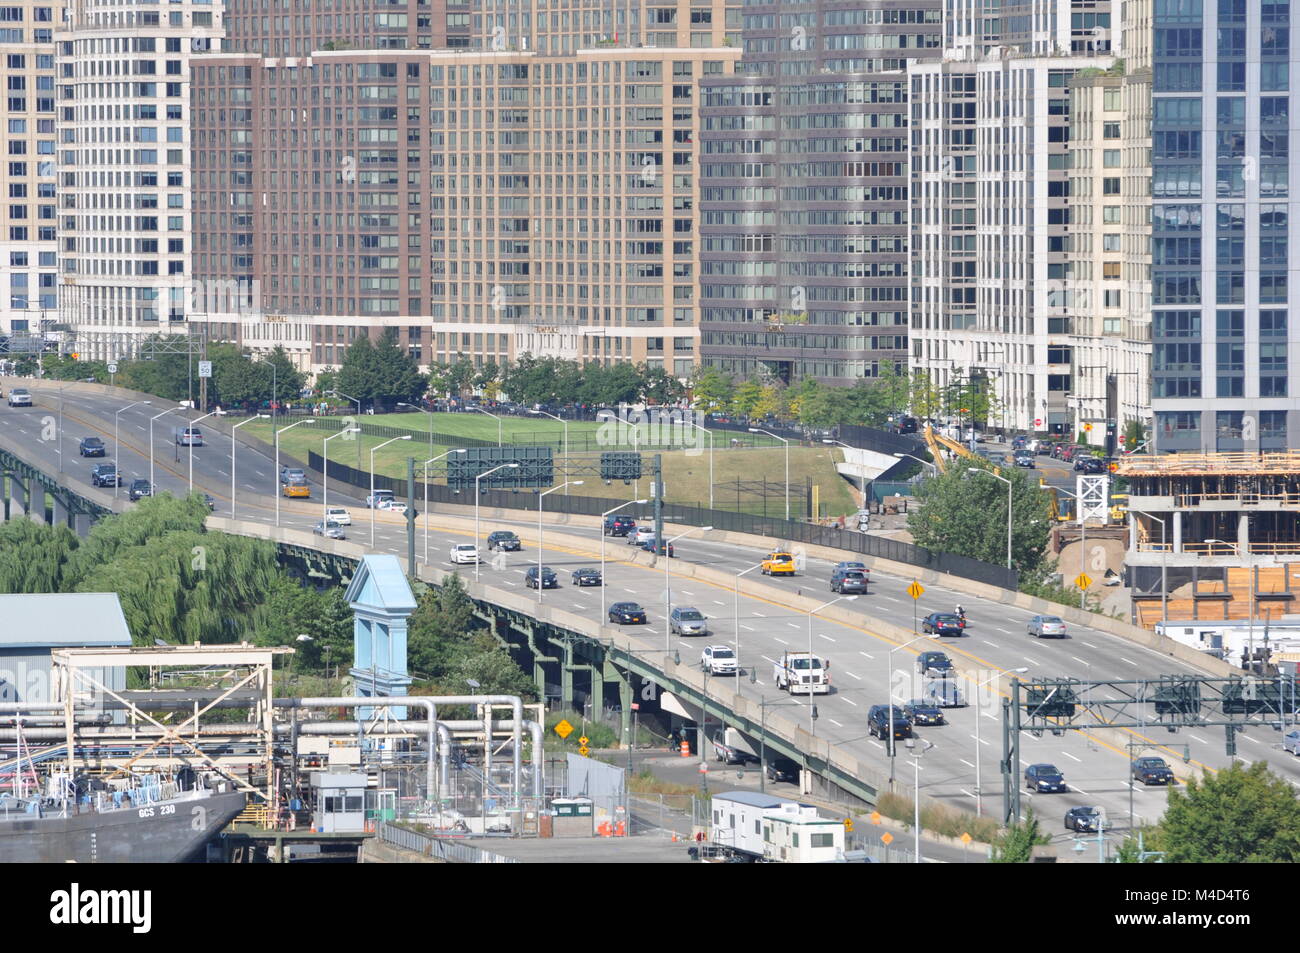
(6,488)
(626,698)
(1243,534)
(1132,532)
(36,502)
(1178,531)
(566,675)
(81,525)
(59,515)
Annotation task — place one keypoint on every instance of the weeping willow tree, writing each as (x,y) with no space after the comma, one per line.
(33,556)
(152,518)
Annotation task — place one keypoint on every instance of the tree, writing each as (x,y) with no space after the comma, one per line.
(439,629)
(33,556)
(288,379)
(771,402)
(711,390)
(746,397)
(924,398)
(1237,815)
(381,372)
(460,376)
(965,513)
(166,375)
(1016,845)
(658,386)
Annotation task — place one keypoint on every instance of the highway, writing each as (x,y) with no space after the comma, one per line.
(862,671)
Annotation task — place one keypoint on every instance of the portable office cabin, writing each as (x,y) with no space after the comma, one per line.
(738,820)
(761,826)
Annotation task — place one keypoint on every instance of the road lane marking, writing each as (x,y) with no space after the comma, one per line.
(746,627)
(834,722)
(1130,661)
(1079,660)
(781,640)
(994,644)
(793,625)
(858,677)
(826,637)
(1072,757)
(850,701)
(1197,738)
(1089,644)
(969,765)
(868,656)
(1029,660)
(759,614)
(1075,787)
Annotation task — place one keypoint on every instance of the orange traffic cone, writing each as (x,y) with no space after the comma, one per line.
(686,748)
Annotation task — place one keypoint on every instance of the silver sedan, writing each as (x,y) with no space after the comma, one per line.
(1047,626)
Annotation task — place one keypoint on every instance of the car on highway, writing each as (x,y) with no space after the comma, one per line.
(718,660)
(1084,819)
(376,500)
(878,722)
(781,769)
(687,620)
(330,530)
(1025,459)
(1152,771)
(297,489)
(1045,779)
(651,545)
(945,693)
(619,525)
(942,623)
(1046,627)
(850,581)
(1291,743)
(923,711)
(464,553)
(934,663)
(639,533)
(627,613)
(587,577)
(188,436)
(395,506)
(92,447)
(778,564)
(504,541)
(20,397)
(289,474)
(139,489)
(105,474)
(847,566)
(338,514)
(1089,464)
(549,580)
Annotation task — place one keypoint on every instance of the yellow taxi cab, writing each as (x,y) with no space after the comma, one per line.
(778,564)
(299,490)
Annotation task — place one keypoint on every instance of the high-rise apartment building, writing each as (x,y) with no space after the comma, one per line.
(531,189)
(804,186)
(1222,331)
(990,200)
(29,286)
(124,167)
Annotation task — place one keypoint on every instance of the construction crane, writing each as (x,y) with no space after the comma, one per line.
(937,441)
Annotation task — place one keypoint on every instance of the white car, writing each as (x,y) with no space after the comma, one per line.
(395,506)
(718,660)
(640,535)
(20,397)
(379,499)
(338,514)
(464,553)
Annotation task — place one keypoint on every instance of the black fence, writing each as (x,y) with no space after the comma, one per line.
(791,531)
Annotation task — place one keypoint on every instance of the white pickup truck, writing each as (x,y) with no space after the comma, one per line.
(801,674)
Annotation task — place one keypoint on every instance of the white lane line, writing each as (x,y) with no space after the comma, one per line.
(1089,644)
(1072,757)
(1000,629)
(994,644)
(834,722)
(1029,660)
(1075,787)
(1256,740)
(1079,660)
(691,594)
(793,625)
(858,677)
(826,637)
(781,640)
(865,654)
(1130,661)
(875,744)
(969,765)
(717,603)
(759,614)
(850,701)
(1197,738)
(746,627)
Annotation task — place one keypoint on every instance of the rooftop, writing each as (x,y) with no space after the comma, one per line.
(62,619)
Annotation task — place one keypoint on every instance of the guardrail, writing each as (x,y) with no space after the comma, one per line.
(438,848)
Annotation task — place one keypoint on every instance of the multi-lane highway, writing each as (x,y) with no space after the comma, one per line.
(863,672)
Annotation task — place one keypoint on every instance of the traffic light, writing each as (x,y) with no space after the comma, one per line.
(75,356)
(1110,438)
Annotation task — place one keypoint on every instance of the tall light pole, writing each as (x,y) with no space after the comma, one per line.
(233,443)
(325,478)
(494,417)
(58,443)
(812,709)
(215,413)
(405,436)
(429,413)
(787,465)
(927,463)
(117,459)
(335,393)
(668,596)
(540,496)
(862,477)
(735,592)
(504,466)
(979,792)
(916,797)
(1010,486)
(173,410)
(426,502)
(889,675)
(276,475)
(602,548)
(565,424)
(1164,565)
(710,434)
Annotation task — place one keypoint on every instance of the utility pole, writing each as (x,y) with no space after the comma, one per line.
(658,477)
(410,516)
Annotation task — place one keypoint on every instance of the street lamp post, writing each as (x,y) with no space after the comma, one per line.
(426,502)
(541,586)
(602,548)
(710,434)
(117,458)
(565,424)
(233,442)
(889,675)
(429,413)
(276,475)
(325,477)
(735,594)
(668,596)
(812,709)
(1164,564)
(787,465)
(979,792)
(152,484)
(405,436)
(1010,487)
(916,797)
(504,466)
(494,417)
(215,413)
(335,393)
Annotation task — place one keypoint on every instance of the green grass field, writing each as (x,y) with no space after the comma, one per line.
(686,472)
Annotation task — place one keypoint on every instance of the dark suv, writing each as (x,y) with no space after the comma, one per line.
(549,579)
(503,540)
(878,722)
(140,489)
(619,525)
(105,474)
(1089,464)
(91,447)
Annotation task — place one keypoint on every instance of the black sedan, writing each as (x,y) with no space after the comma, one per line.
(922,712)
(1152,771)
(587,577)
(1045,778)
(504,541)
(627,613)
(934,663)
(1082,819)
(942,623)
(549,579)
(91,447)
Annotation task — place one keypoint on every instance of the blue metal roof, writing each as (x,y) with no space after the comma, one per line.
(753,799)
(63,619)
(381,582)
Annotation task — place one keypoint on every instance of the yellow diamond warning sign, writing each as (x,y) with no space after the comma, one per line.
(583,750)
(848,824)
(916,590)
(564,729)
(886,838)
(1082,581)
(582,740)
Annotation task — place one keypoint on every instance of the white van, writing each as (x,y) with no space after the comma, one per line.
(188,437)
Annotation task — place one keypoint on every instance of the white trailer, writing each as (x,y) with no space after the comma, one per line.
(761,827)
(801,674)
(1232,640)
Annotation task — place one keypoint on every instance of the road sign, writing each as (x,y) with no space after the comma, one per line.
(875,817)
(564,729)
(112,368)
(966,838)
(1038,421)
(916,590)
(583,750)
(886,838)
(205,368)
(1082,581)
(582,740)
(848,825)
(1087,428)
